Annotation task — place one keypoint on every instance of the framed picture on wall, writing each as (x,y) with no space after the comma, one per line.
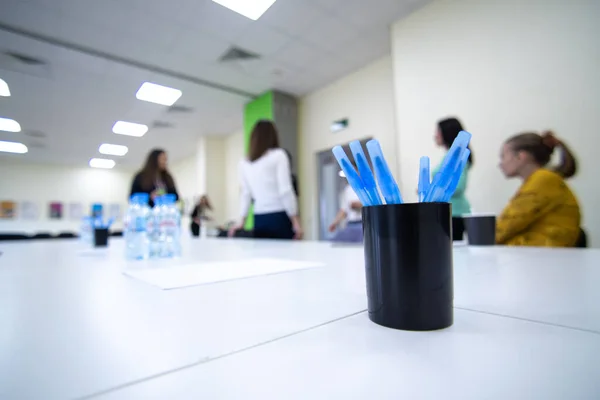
(29,210)
(75,211)
(55,210)
(8,209)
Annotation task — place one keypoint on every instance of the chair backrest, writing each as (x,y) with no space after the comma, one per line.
(66,235)
(13,236)
(42,236)
(582,239)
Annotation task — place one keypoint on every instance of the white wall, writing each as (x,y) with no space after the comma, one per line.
(234,152)
(43,184)
(366,98)
(502,67)
(213,171)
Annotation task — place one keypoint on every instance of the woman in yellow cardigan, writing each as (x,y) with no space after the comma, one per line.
(544,211)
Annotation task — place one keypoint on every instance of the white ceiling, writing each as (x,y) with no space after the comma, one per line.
(75,99)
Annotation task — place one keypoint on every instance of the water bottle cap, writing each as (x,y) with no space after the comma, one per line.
(169,198)
(140,198)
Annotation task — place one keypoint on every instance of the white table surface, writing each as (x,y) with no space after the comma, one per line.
(73,325)
(481,357)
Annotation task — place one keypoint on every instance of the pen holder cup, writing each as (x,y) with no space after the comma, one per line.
(408,262)
(100,237)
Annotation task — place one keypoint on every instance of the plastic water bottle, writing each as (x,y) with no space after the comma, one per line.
(170,225)
(86,235)
(154,232)
(136,228)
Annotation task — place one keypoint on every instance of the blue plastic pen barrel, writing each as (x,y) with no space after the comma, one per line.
(365,172)
(456,175)
(352,176)
(387,185)
(424,177)
(441,180)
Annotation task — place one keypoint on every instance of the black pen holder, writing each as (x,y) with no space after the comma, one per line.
(100,237)
(408,261)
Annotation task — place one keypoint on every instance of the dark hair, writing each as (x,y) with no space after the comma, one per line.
(264,137)
(151,171)
(449,129)
(541,147)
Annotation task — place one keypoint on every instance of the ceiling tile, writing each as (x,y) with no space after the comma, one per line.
(199,45)
(219,21)
(29,16)
(299,54)
(327,4)
(293,18)
(262,39)
(330,33)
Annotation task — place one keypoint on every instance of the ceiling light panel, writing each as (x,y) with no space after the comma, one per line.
(252,9)
(158,94)
(103,163)
(13,147)
(113,149)
(129,129)
(9,125)
(4,90)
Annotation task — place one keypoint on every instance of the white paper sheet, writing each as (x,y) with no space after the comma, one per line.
(212,272)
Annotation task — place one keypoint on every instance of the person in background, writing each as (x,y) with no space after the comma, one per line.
(266,178)
(294,178)
(544,211)
(199,214)
(154,178)
(350,210)
(447,131)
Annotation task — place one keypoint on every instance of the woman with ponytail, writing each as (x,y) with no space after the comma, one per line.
(544,211)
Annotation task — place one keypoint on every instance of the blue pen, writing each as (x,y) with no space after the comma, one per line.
(365,172)
(424,177)
(387,184)
(441,180)
(351,175)
(464,157)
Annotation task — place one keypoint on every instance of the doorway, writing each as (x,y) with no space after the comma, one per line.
(331,186)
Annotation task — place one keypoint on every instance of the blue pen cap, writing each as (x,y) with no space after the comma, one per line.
(387,184)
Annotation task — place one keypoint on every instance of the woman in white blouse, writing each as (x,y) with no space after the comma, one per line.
(266,180)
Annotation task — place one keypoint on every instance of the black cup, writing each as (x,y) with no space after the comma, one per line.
(100,237)
(481,230)
(408,260)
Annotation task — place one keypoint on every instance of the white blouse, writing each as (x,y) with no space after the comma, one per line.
(268,182)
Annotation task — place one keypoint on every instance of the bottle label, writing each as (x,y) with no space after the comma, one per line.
(139,224)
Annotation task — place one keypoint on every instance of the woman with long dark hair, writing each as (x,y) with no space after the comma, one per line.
(544,212)
(154,178)
(447,130)
(266,181)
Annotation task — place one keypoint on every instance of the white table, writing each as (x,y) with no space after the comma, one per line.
(481,357)
(73,325)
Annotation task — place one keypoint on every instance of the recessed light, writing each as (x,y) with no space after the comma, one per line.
(252,9)
(4,90)
(13,147)
(9,125)
(113,149)
(129,129)
(102,163)
(158,94)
